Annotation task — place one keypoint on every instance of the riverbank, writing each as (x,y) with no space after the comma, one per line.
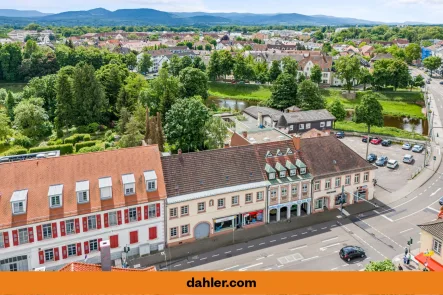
(386,131)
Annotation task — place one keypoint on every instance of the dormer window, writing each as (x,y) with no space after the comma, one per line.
(128,184)
(82,191)
(268,155)
(271,175)
(105,186)
(150,180)
(18,202)
(293,172)
(281,170)
(282,174)
(301,166)
(55,196)
(270,171)
(302,171)
(279,153)
(289,152)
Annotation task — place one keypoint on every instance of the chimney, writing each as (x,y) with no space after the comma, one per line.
(245,134)
(260,119)
(226,145)
(105,255)
(296,141)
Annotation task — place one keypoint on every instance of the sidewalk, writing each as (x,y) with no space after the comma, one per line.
(413,264)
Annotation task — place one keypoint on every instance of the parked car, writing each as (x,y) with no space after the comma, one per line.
(441,82)
(365,139)
(350,252)
(406,146)
(441,201)
(418,148)
(372,158)
(340,134)
(376,140)
(392,164)
(428,82)
(382,160)
(408,159)
(386,142)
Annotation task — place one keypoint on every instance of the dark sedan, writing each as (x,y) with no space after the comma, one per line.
(381,161)
(372,158)
(386,142)
(340,134)
(350,252)
(365,139)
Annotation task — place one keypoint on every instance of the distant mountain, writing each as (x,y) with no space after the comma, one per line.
(21,13)
(146,16)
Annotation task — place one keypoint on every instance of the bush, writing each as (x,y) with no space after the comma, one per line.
(109,144)
(82,129)
(63,148)
(4,144)
(87,137)
(77,138)
(16,150)
(93,127)
(81,145)
(90,149)
(112,148)
(22,140)
(109,136)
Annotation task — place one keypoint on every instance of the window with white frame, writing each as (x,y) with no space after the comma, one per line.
(302,171)
(305,187)
(92,222)
(271,176)
(234,201)
(132,214)
(152,211)
(23,236)
(436,246)
(301,127)
(82,197)
(294,190)
(47,231)
(328,123)
(322,124)
(259,196)
(173,232)
(356,178)
(337,182)
(284,191)
(112,219)
(173,212)
(72,250)
(129,189)
(18,207)
(185,229)
(308,125)
(338,200)
(55,201)
(366,177)
(248,198)
(221,203)
(93,245)
(327,184)
(201,206)
(273,193)
(319,203)
(291,127)
(49,255)
(2,243)
(151,185)
(317,186)
(282,174)
(106,193)
(184,210)
(348,180)
(70,226)
(293,172)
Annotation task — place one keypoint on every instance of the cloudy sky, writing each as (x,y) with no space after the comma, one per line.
(430,11)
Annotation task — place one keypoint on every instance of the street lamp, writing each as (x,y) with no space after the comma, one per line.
(166,262)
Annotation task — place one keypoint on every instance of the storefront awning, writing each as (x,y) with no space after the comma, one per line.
(432,264)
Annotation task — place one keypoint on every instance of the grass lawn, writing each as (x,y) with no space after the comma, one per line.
(237,91)
(13,87)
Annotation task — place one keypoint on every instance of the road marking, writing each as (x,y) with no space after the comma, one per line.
(333,225)
(260,258)
(310,258)
(435,210)
(268,268)
(284,238)
(300,247)
(204,258)
(420,194)
(270,255)
(230,267)
(304,233)
(380,233)
(228,252)
(324,227)
(177,265)
(215,255)
(272,241)
(250,246)
(281,265)
(245,268)
(406,230)
(334,268)
(261,244)
(415,212)
(329,246)
(190,261)
(433,183)
(382,215)
(239,249)
(331,239)
(434,193)
(293,236)
(344,265)
(314,230)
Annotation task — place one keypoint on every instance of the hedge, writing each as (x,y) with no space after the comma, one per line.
(80,145)
(16,151)
(77,138)
(91,149)
(63,148)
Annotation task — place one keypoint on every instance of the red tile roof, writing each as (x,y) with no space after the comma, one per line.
(79,266)
(37,175)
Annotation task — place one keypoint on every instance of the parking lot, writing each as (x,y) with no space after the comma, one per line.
(388,179)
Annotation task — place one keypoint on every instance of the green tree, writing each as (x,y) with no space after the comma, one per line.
(193,82)
(3,95)
(5,128)
(274,71)
(348,69)
(385,265)
(10,61)
(261,72)
(226,63)
(216,131)
(391,72)
(370,113)
(364,77)
(316,74)
(327,47)
(290,66)
(412,52)
(65,114)
(132,136)
(309,96)
(284,92)
(30,48)
(185,62)
(432,63)
(419,81)
(130,60)
(198,63)
(242,70)
(301,77)
(337,109)
(112,77)
(31,119)
(10,105)
(44,87)
(145,63)
(175,65)
(185,124)
(214,67)
(125,116)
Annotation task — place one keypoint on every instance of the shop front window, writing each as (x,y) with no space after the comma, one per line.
(224,224)
(253,217)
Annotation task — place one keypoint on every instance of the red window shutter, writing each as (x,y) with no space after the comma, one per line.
(157,209)
(133,237)
(106,219)
(62,228)
(39,233)
(85,224)
(119,217)
(54,230)
(139,213)
(56,254)
(146,209)
(6,239)
(153,233)
(31,234)
(99,240)
(79,249)
(77,226)
(113,241)
(15,237)
(41,257)
(86,247)
(99,221)
(126,215)
(64,252)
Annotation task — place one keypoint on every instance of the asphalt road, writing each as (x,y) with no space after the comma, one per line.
(382,232)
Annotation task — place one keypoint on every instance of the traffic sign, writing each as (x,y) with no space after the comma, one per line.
(429,253)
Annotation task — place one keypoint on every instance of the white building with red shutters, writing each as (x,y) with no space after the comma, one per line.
(57,210)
